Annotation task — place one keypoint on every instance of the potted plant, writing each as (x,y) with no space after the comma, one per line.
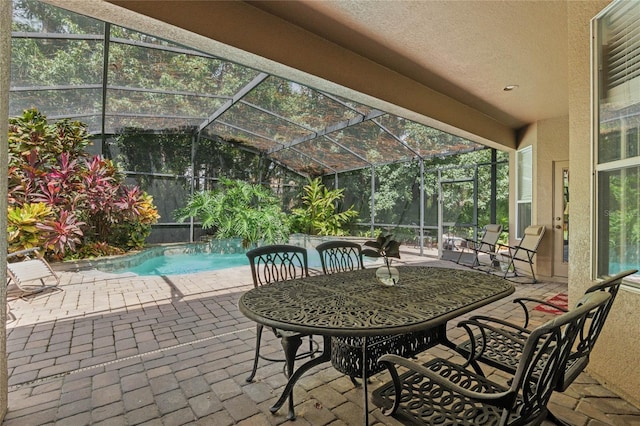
(385,247)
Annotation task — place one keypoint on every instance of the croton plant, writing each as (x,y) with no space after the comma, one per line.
(69,204)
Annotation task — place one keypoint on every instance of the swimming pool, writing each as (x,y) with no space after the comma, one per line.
(186,263)
(189,263)
(192,258)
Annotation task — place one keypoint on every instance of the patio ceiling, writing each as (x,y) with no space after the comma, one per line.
(309,131)
(439,63)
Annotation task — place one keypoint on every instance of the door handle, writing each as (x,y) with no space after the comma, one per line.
(558,227)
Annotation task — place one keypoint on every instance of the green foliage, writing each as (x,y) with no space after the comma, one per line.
(238,209)
(33,139)
(22,225)
(320,216)
(84,197)
(397,190)
(134,225)
(623,216)
(96,249)
(383,246)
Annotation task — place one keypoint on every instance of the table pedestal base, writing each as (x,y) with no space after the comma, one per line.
(288,389)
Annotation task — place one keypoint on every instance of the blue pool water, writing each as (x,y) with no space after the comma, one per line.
(188,263)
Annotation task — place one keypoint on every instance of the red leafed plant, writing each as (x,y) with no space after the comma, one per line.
(85,201)
(62,233)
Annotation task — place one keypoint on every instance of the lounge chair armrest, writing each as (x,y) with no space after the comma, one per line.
(513,253)
(25,252)
(483,247)
(498,399)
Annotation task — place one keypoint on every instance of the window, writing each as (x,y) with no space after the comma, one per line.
(524,189)
(616,151)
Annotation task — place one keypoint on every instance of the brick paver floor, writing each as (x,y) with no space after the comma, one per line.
(127,350)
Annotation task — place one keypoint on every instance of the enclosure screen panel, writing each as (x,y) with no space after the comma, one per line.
(300,104)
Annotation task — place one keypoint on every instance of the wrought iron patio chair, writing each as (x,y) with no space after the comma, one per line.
(31,273)
(340,256)
(486,244)
(269,264)
(523,252)
(488,345)
(443,392)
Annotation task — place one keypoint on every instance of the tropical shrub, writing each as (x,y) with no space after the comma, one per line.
(319,214)
(61,199)
(238,209)
(22,224)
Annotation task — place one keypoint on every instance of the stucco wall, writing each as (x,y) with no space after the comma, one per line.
(550,142)
(614,361)
(553,146)
(5,53)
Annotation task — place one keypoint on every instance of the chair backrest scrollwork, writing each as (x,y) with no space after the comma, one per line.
(546,352)
(588,336)
(278,262)
(340,256)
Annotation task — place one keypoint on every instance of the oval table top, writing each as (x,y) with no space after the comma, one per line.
(356,304)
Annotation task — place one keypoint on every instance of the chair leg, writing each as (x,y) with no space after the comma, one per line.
(476,259)
(509,265)
(311,351)
(459,257)
(533,274)
(290,346)
(259,328)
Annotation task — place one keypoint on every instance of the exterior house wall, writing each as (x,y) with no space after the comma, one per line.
(614,361)
(550,143)
(553,146)
(5,54)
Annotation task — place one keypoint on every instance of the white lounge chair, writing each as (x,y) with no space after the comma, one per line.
(31,275)
(523,252)
(486,244)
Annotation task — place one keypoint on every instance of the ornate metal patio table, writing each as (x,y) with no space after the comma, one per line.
(355,304)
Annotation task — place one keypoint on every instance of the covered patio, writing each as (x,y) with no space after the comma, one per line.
(91,354)
(172,350)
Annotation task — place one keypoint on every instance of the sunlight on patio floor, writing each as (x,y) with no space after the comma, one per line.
(120,350)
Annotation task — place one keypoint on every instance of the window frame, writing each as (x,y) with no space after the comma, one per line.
(623,160)
(520,157)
